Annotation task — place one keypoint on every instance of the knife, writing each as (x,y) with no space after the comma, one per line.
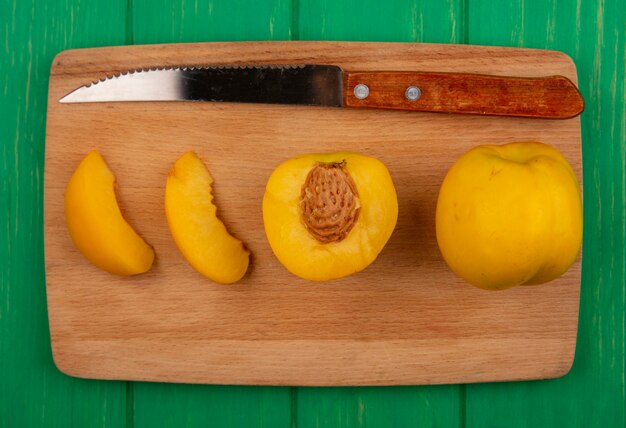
(550,97)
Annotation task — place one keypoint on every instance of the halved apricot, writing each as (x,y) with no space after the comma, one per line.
(327,216)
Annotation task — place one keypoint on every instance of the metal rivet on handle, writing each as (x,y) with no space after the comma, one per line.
(361,91)
(413,93)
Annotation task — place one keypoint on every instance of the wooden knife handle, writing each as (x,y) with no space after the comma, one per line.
(552,97)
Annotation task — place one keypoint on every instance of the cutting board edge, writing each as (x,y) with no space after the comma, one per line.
(559,371)
(70,54)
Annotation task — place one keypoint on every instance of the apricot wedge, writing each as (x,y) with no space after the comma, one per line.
(96,224)
(199,234)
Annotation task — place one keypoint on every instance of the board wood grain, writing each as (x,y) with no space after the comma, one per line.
(405,320)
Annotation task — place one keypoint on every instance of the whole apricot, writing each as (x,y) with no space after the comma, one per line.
(510,215)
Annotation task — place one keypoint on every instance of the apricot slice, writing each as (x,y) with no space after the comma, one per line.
(327,216)
(96,224)
(199,234)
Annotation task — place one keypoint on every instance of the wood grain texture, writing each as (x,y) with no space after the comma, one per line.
(159,21)
(32,391)
(216,405)
(398,21)
(404,320)
(403,21)
(594,393)
(549,97)
(182,405)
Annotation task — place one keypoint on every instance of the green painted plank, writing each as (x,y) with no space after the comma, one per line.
(177,405)
(402,21)
(593,394)
(169,21)
(33,393)
(381,21)
(403,406)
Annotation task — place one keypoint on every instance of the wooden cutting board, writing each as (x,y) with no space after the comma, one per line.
(404,320)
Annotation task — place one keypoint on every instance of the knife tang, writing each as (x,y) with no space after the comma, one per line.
(553,97)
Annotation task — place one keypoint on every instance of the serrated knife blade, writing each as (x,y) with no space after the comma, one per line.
(550,97)
(305,84)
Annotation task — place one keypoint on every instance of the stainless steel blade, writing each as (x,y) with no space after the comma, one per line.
(275,84)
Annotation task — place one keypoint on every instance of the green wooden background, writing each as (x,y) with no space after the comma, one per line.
(33,393)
